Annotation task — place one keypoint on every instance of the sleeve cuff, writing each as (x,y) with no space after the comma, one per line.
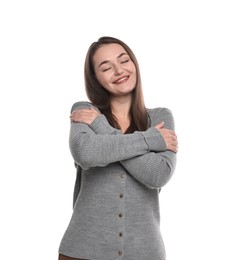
(100,125)
(154,140)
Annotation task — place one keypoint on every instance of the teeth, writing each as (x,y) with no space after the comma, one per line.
(120,80)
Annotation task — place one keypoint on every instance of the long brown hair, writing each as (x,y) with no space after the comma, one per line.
(100,97)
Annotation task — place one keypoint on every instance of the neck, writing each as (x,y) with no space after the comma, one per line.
(120,106)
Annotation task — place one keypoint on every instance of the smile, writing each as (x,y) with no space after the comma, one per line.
(121,80)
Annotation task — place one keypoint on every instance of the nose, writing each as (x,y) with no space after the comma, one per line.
(118,70)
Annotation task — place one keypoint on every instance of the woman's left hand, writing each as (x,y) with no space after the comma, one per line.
(86,116)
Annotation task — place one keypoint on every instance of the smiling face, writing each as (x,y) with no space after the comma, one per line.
(114,69)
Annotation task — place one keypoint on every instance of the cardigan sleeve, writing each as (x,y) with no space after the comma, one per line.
(154,169)
(91,150)
(98,150)
(100,125)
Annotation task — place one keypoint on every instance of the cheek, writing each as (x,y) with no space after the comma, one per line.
(134,80)
(135,74)
(134,70)
(102,79)
(99,76)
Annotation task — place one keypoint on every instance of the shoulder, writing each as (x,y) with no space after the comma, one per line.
(158,114)
(158,111)
(82,104)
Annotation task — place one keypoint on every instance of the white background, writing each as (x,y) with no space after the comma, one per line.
(182,50)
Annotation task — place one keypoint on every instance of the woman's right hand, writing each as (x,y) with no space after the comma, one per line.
(169,136)
(86,115)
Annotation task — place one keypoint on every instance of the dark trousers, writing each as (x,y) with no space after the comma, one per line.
(64,257)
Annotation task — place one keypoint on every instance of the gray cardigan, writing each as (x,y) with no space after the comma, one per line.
(116,198)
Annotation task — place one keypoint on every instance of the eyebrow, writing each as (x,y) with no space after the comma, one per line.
(107,61)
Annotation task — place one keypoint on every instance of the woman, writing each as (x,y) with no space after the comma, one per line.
(124,154)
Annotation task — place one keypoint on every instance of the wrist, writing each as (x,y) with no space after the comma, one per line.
(100,125)
(154,140)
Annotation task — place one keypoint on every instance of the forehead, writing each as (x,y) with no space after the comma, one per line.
(108,52)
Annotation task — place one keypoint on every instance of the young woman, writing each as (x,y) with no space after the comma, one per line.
(124,154)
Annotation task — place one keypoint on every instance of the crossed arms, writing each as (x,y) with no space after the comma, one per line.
(144,154)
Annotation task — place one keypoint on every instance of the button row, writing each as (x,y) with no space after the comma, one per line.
(123,176)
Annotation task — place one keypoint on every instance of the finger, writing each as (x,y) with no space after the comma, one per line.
(92,108)
(173,138)
(170,133)
(160,125)
(174,147)
(73,114)
(80,110)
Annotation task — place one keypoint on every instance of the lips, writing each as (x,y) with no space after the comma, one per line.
(121,80)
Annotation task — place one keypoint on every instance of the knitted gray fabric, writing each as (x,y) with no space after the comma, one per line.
(116,198)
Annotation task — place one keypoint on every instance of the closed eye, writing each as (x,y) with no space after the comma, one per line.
(106,69)
(125,61)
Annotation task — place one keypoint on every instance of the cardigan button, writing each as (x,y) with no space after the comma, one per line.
(120,234)
(120,253)
(121,195)
(122,175)
(120,215)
